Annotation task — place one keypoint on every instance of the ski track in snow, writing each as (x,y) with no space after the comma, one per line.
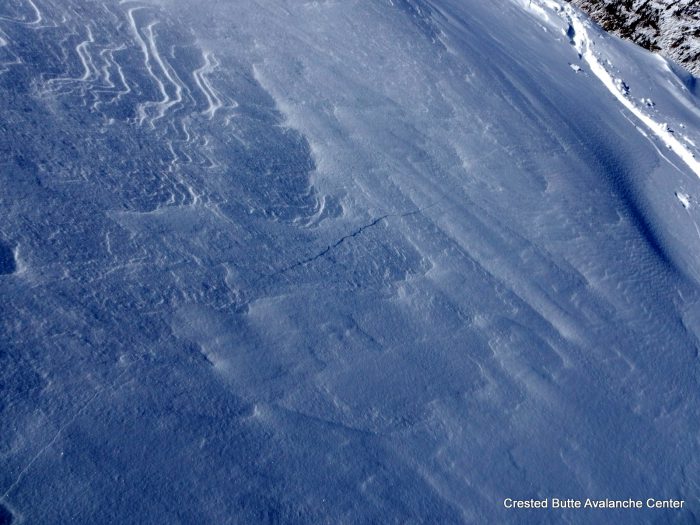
(146,50)
(201,77)
(98,75)
(38,17)
(581,39)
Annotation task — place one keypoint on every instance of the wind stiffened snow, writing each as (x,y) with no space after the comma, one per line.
(334,262)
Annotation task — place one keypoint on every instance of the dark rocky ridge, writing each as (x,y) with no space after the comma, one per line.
(670,27)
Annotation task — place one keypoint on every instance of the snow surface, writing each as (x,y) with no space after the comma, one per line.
(343,261)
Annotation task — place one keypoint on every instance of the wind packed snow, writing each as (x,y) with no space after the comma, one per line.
(388,261)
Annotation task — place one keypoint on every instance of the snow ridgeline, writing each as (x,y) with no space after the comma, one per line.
(581,34)
(669,27)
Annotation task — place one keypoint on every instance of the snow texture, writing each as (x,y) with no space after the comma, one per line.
(343,261)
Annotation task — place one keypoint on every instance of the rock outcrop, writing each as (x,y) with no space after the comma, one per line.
(670,27)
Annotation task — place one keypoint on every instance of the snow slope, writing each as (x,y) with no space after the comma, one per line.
(343,262)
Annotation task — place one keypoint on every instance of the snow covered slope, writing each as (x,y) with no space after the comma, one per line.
(343,261)
(671,27)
